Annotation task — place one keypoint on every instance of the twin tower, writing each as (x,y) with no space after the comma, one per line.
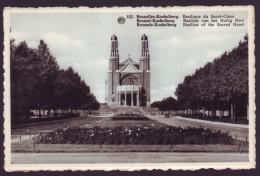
(129,81)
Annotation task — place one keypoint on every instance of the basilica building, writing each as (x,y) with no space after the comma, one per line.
(129,81)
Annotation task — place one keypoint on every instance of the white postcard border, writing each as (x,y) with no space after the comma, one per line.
(130,166)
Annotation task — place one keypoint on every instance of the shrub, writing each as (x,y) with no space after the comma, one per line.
(129,117)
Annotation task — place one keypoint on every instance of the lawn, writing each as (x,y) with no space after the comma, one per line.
(85,134)
(37,127)
(130,123)
(86,122)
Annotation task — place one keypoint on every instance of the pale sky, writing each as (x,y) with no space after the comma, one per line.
(82,41)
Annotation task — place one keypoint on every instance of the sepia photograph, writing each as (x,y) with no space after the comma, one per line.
(129,88)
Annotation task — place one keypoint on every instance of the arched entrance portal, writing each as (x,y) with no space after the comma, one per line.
(130,79)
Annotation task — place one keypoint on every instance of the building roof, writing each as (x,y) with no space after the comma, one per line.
(129,60)
(144,37)
(114,37)
(129,66)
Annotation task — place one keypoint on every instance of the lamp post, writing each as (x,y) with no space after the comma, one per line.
(132,95)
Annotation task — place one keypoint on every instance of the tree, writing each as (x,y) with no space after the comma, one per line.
(219,84)
(166,104)
(22,76)
(37,82)
(46,73)
(92,103)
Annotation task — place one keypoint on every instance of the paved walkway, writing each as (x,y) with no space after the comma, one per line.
(18,138)
(214,123)
(203,121)
(237,131)
(59,158)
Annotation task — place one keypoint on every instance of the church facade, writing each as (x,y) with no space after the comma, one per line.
(129,81)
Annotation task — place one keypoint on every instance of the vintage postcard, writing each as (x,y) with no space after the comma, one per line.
(129,88)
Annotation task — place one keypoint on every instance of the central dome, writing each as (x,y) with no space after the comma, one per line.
(114,37)
(144,37)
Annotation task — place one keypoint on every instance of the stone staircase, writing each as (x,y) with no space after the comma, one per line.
(128,110)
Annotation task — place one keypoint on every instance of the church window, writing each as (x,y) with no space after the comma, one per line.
(129,79)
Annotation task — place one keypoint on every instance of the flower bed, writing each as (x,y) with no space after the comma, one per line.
(134,135)
(129,117)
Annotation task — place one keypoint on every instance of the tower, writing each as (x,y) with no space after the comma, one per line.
(144,73)
(114,56)
(113,76)
(144,54)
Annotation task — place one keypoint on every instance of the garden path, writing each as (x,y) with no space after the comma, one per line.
(239,132)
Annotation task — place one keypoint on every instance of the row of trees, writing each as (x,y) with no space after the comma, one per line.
(219,85)
(37,82)
(169,103)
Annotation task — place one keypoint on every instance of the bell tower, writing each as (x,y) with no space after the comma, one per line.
(144,73)
(144,63)
(114,56)
(113,75)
